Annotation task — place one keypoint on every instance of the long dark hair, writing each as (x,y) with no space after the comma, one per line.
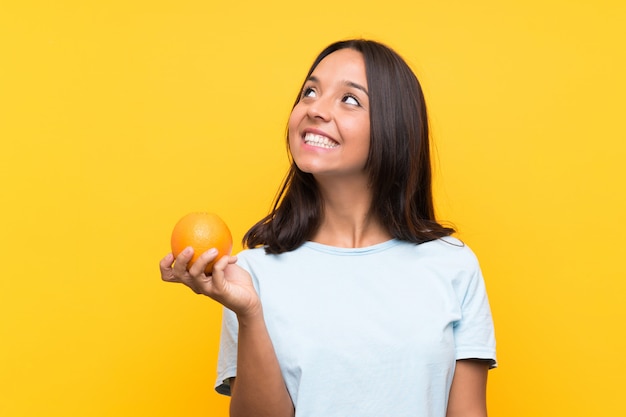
(398,164)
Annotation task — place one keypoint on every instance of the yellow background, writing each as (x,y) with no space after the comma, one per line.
(118,117)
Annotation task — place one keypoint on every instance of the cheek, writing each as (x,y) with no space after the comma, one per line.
(294,121)
(296,115)
(292,134)
(361,133)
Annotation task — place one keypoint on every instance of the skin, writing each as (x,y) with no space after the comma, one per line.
(334,105)
(468,393)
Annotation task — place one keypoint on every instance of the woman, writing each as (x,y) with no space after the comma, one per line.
(352,300)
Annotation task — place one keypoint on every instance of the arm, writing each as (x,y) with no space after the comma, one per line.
(468,393)
(261,390)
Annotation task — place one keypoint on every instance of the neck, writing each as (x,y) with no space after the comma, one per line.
(347,220)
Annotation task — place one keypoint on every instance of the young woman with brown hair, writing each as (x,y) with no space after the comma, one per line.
(351,299)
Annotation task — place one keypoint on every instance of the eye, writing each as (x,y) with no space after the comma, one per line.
(350,99)
(308,92)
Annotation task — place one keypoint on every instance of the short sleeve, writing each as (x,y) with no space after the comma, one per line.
(474,333)
(227,357)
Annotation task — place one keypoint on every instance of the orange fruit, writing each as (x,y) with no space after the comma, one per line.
(202,231)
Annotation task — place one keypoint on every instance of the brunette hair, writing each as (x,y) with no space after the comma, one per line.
(398,164)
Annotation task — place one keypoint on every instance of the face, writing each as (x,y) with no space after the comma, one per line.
(329,128)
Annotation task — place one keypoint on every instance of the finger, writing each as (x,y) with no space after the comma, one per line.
(165,266)
(182,261)
(218,271)
(199,266)
(224,261)
(167,261)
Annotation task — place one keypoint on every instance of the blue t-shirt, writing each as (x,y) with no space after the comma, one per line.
(368,332)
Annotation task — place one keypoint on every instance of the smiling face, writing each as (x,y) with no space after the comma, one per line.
(329,127)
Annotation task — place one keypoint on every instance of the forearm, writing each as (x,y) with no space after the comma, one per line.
(259,389)
(469,390)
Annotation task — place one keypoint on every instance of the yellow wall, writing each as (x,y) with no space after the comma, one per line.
(118,117)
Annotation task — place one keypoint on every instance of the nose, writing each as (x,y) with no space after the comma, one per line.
(320,109)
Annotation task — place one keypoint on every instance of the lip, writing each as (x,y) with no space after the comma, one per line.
(319,132)
(315,140)
(316,132)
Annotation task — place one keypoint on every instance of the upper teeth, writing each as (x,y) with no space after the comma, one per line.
(319,140)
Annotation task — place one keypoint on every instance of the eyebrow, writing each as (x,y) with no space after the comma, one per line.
(348,83)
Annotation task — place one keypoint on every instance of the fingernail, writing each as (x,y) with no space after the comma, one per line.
(187,250)
(213,251)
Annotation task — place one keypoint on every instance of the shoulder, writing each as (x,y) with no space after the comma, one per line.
(258,259)
(249,256)
(447,260)
(449,250)
(251,253)
(259,253)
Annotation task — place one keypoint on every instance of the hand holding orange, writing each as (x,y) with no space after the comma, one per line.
(202,231)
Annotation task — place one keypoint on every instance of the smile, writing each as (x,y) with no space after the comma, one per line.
(319,141)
